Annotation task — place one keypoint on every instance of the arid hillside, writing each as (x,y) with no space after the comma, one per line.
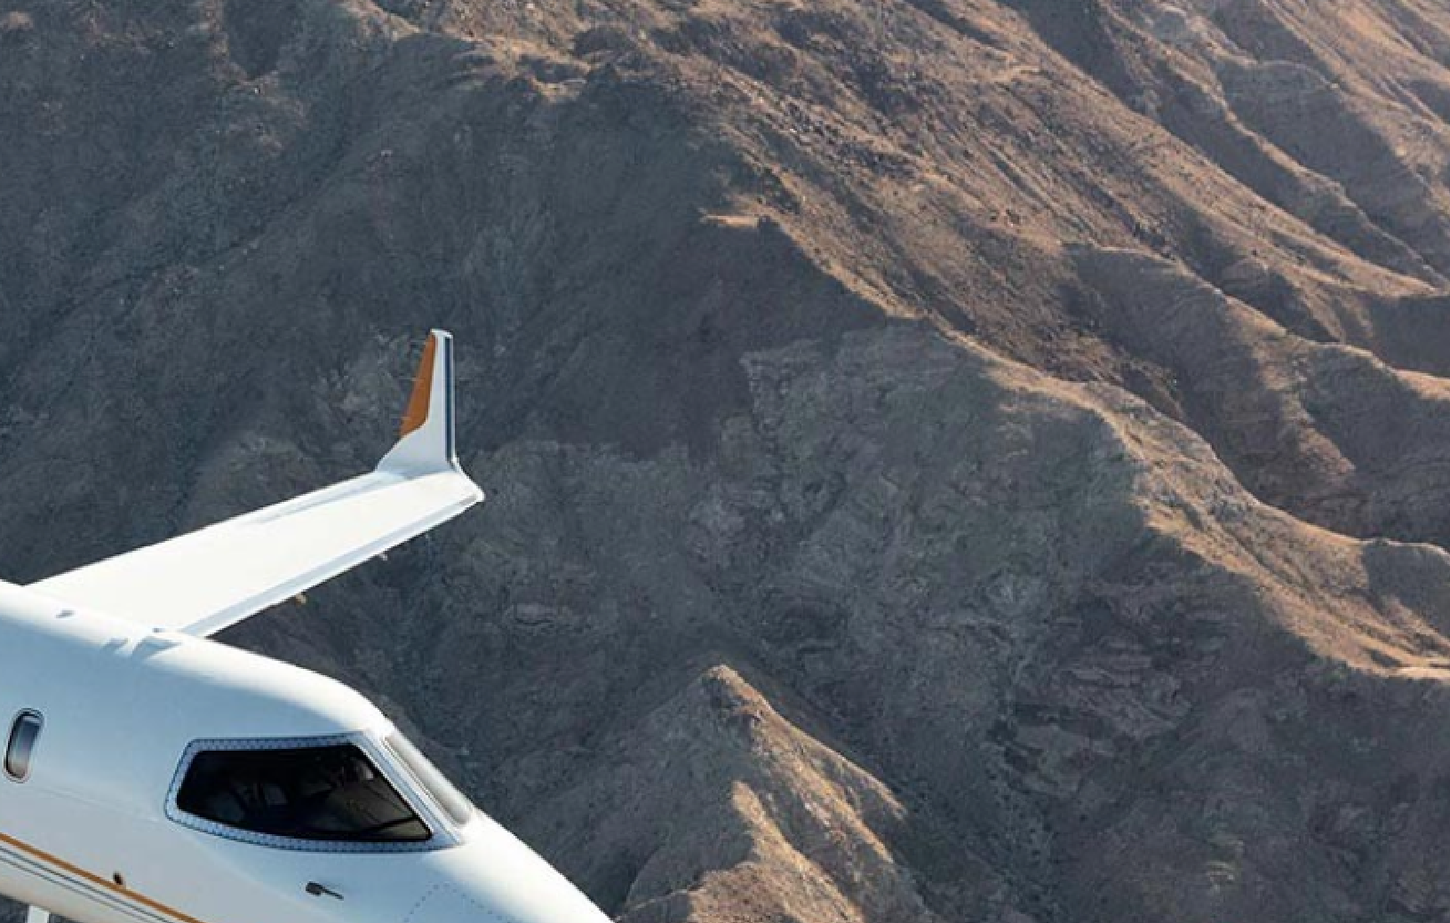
(949,460)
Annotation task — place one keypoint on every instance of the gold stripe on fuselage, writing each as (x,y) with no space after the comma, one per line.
(107,884)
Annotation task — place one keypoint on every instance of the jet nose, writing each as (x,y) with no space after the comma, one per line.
(495,878)
(446,904)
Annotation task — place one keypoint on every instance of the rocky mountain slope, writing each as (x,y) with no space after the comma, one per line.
(949,459)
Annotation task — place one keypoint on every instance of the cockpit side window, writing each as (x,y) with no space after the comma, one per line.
(327,794)
(453,802)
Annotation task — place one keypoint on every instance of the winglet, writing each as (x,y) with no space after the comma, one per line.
(425,439)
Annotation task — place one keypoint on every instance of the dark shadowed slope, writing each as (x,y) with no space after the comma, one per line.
(947,460)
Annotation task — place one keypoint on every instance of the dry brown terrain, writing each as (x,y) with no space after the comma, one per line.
(950,460)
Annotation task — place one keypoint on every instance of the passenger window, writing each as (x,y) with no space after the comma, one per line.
(332,794)
(19,752)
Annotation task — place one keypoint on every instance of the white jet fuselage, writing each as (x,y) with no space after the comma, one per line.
(94,831)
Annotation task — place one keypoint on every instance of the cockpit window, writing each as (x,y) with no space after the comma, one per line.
(453,802)
(330,793)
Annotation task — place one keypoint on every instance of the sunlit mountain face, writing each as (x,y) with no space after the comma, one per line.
(947,459)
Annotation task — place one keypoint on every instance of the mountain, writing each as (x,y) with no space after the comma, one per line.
(948,459)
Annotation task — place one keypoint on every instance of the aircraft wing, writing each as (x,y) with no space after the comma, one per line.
(200,583)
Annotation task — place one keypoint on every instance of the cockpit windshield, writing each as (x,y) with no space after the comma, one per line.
(325,793)
(453,802)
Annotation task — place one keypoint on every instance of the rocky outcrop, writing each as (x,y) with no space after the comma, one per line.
(947,460)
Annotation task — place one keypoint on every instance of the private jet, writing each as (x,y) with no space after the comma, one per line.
(150,774)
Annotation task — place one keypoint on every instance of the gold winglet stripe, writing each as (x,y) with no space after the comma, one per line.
(418,404)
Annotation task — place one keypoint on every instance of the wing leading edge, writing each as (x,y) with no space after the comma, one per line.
(214,578)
